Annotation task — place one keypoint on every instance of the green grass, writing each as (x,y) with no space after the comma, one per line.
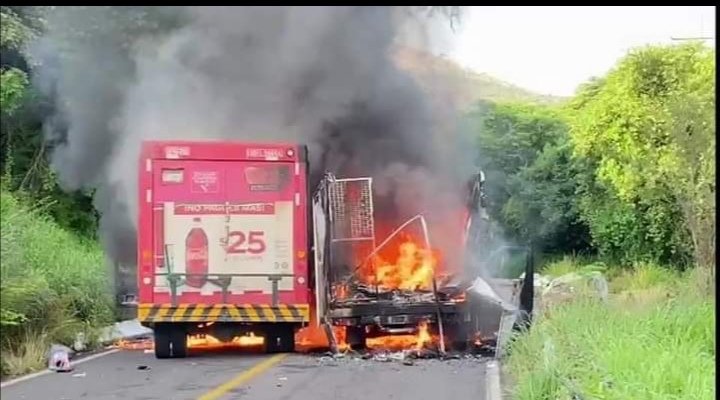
(645,276)
(556,267)
(654,339)
(53,285)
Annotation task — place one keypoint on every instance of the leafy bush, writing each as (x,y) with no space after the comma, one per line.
(54,285)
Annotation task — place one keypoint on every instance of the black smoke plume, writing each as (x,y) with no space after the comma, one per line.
(323,76)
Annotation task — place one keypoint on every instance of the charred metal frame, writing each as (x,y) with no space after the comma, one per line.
(399,311)
(371,311)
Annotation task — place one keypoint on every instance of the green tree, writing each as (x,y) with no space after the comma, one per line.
(649,127)
(525,152)
(25,156)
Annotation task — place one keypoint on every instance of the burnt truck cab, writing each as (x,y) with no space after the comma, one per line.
(344,231)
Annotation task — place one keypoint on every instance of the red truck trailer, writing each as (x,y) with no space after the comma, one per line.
(223,242)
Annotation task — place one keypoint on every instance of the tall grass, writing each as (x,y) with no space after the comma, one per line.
(655,339)
(53,285)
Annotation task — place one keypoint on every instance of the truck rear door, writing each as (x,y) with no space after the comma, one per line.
(229,231)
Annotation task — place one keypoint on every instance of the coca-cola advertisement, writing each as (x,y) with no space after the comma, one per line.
(230,238)
(196,255)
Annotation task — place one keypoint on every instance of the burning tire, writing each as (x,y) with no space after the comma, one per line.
(280,338)
(170,341)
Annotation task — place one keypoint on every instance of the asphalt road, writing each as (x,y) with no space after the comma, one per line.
(256,376)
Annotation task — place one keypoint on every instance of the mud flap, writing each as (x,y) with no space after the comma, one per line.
(527,293)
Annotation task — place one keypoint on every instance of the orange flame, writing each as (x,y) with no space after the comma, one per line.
(201,341)
(403,342)
(248,340)
(205,341)
(142,344)
(412,269)
(313,337)
(423,336)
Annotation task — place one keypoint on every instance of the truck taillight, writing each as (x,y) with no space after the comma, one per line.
(290,152)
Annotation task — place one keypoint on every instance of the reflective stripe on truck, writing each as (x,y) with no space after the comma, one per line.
(223,313)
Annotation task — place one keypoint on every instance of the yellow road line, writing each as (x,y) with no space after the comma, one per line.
(242,378)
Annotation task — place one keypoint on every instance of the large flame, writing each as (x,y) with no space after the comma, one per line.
(209,341)
(200,341)
(412,269)
(416,342)
(313,337)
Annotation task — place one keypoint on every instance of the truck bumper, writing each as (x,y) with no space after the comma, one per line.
(155,313)
(389,314)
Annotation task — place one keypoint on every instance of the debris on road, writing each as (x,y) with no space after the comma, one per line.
(143,367)
(125,330)
(59,358)
(480,352)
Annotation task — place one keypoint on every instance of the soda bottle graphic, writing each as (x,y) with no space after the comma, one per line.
(196,255)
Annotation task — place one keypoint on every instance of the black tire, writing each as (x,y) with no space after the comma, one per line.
(178,338)
(356,337)
(161,334)
(280,338)
(170,341)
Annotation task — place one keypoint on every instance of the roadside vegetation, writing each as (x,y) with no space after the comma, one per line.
(621,177)
(53,286)
(654,338)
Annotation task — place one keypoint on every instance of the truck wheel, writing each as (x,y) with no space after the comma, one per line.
(356,337)
(179,342)
(161,335)
(280,339)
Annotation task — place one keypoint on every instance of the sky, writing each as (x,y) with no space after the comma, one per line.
(551,50)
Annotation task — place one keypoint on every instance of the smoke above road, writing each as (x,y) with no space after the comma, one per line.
(323,76)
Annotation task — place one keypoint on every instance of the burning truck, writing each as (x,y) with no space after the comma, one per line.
(379,289)
(231,244)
